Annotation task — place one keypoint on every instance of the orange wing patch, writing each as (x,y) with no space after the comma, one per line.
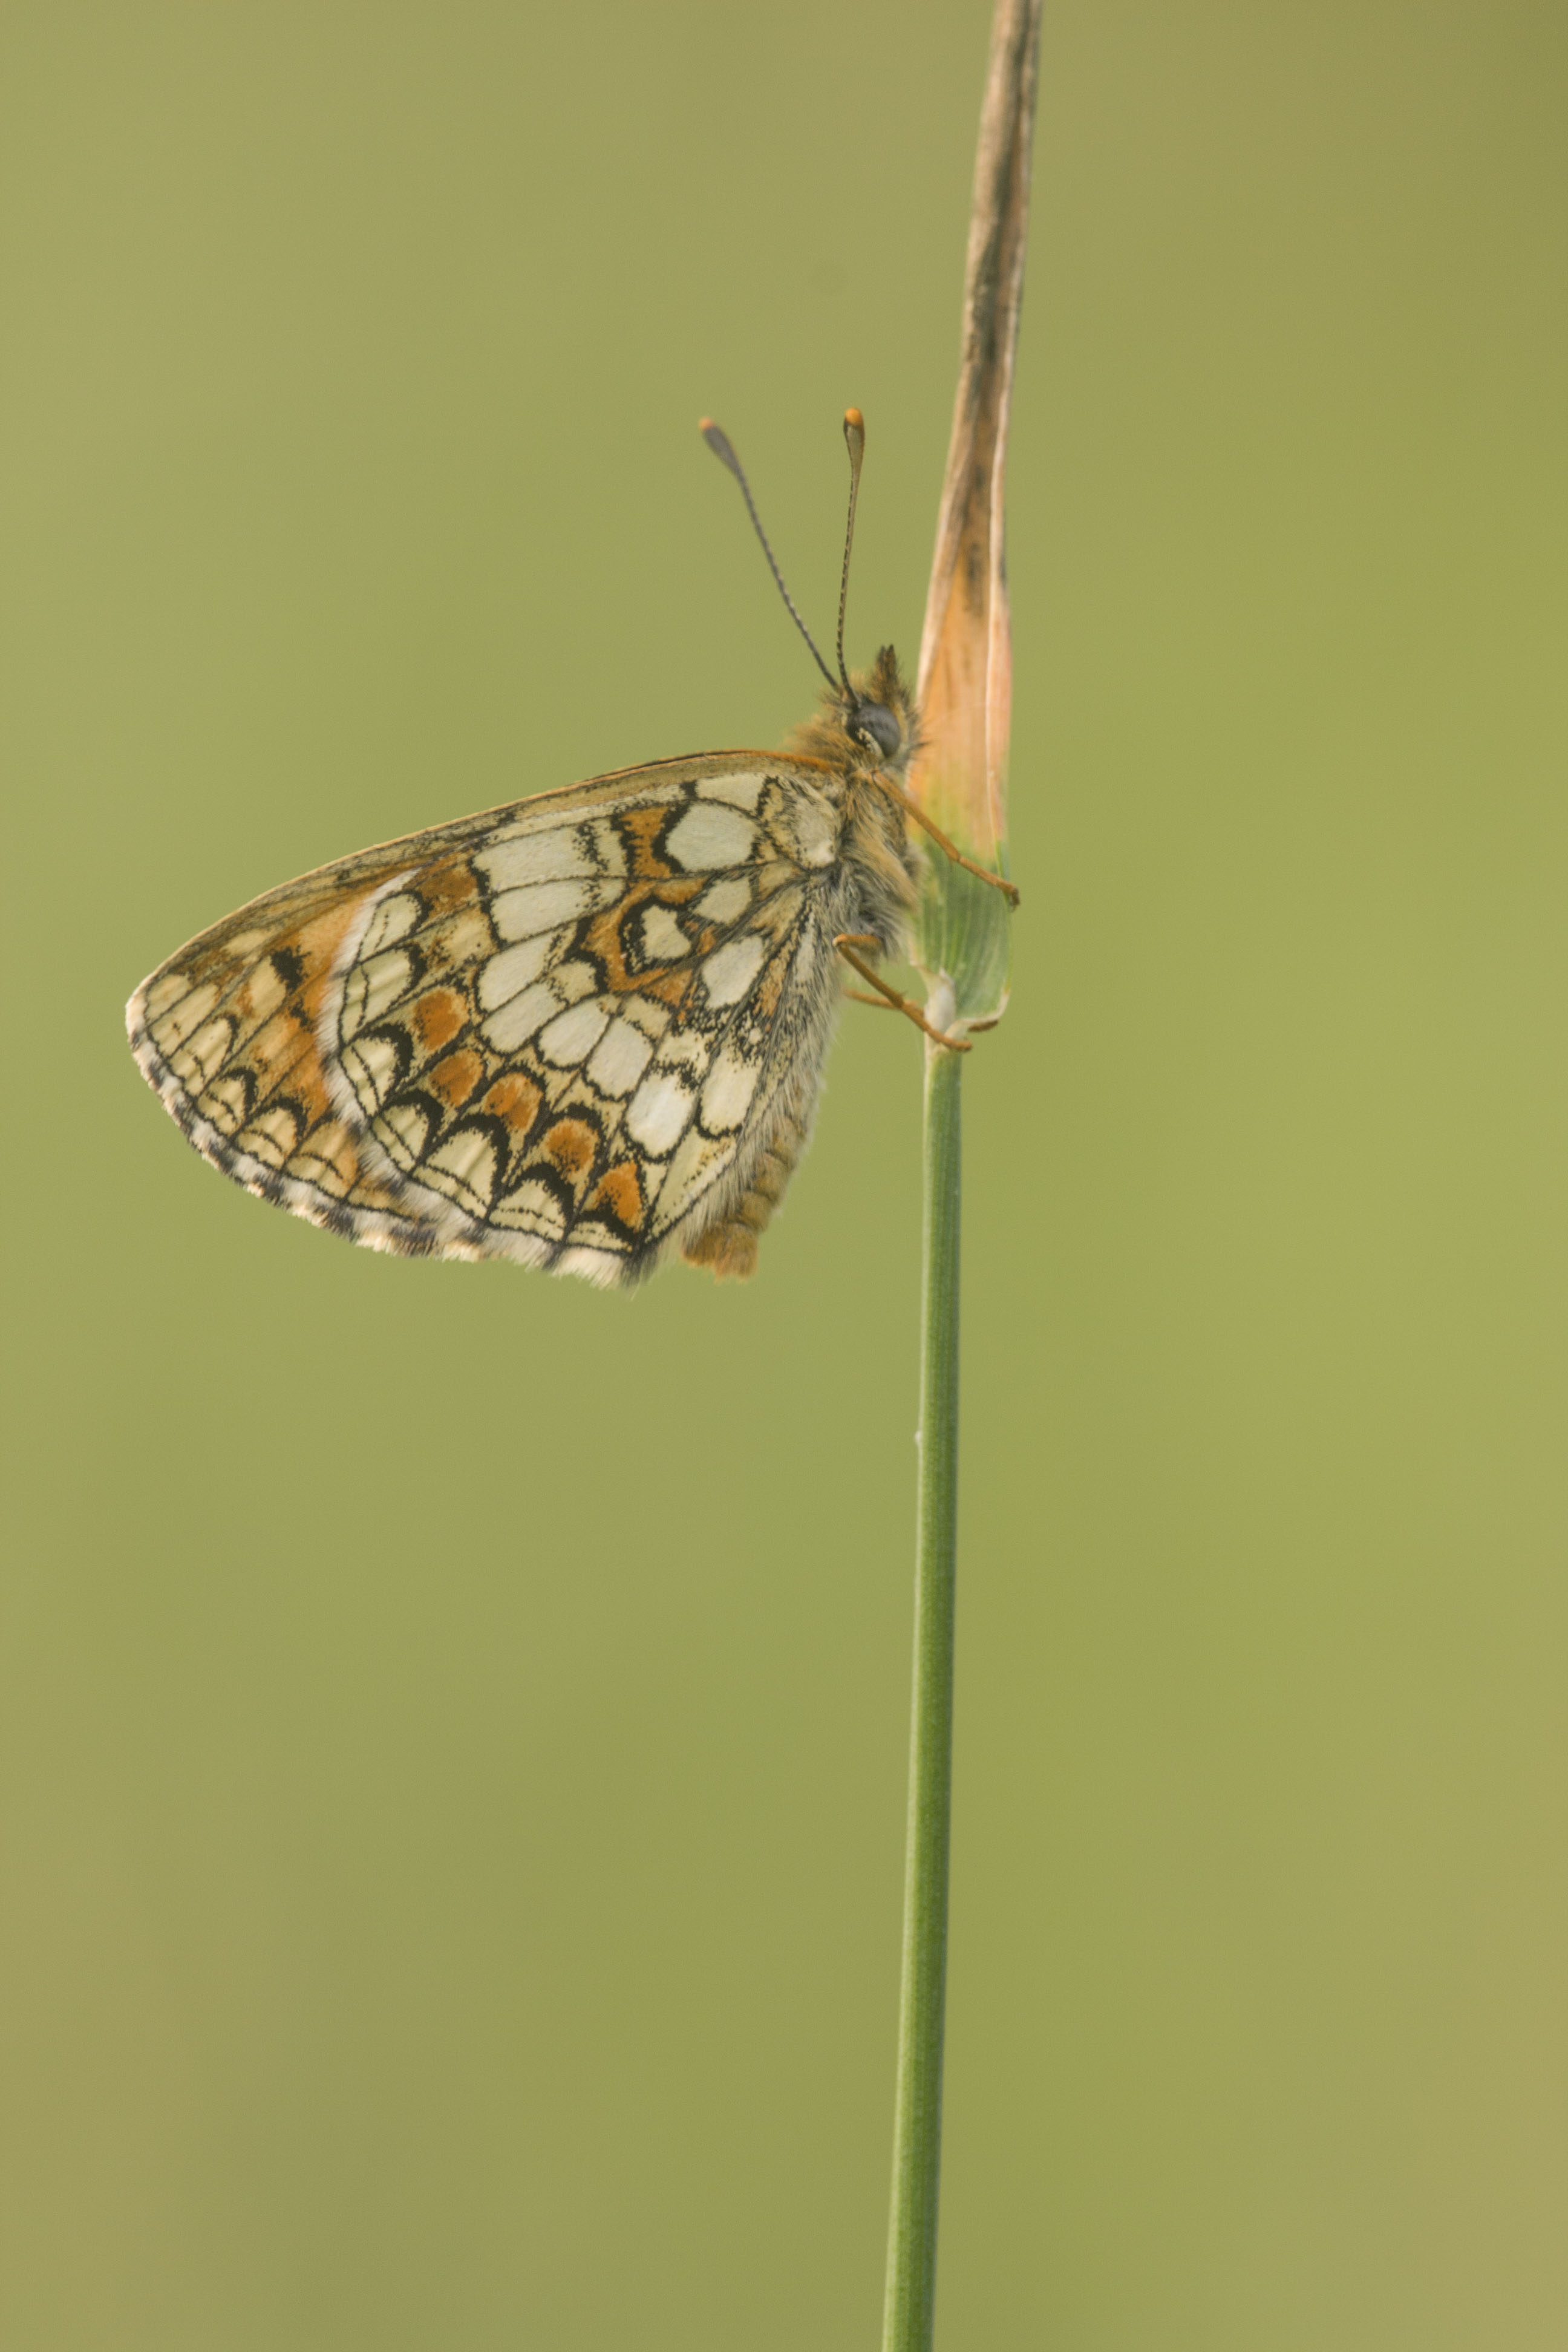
(639,829)
(438,1017)
(619,1192)
(455,1079)
(515,1099)
(570,1146)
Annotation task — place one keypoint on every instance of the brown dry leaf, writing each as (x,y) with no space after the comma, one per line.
(965,667)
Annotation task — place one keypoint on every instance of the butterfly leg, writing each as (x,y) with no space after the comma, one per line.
(846,942)
(949,848)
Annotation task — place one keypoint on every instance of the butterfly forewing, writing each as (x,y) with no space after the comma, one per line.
(569,1032)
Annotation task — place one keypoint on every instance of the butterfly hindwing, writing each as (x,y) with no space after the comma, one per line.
(574,1032)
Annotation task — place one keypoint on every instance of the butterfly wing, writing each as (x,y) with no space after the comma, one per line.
(577,1032)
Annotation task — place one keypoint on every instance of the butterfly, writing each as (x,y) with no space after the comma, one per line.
(585,1031)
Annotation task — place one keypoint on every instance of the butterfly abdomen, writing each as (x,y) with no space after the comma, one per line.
(728,1247)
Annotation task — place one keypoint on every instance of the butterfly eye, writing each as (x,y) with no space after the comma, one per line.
(874,723)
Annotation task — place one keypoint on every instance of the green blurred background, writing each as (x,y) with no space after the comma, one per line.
(455,1722)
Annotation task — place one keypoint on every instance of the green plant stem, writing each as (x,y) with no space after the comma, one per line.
(910,2311)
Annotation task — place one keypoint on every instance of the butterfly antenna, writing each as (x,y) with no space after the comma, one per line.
(854,439)
(717,440)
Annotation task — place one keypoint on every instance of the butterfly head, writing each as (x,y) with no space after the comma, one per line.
(874,725)
(878,715)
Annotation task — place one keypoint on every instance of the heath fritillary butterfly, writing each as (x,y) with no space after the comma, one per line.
(585,1031)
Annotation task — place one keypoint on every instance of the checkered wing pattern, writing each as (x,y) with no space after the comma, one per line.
(576,1031)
